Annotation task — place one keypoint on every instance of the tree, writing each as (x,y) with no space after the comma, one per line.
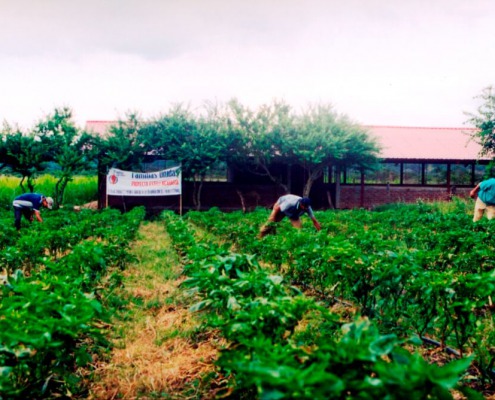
(260,137)
(315,140)
(67,147)
(484,121)
(195,142)
(124,147)
(3,149)
(322,138)
(24,153)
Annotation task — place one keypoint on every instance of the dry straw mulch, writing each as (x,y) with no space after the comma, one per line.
(156,354)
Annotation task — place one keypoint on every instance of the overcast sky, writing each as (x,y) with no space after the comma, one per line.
(382,62)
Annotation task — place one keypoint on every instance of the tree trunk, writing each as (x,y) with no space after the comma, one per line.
(21,184)
(30,183)
(329,199)
(274,179)
(313,176)
(197,193)
(60,190)
(243,202)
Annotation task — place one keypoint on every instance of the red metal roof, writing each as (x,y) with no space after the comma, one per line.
(400,142)
(99,127)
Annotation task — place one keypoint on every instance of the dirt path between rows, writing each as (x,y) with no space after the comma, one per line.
(159,350)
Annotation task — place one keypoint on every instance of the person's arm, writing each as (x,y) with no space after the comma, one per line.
(38,215)
(311,214)
(473,193)
(275,211)
(316,223)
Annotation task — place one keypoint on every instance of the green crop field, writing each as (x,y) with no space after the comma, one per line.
(56,294)
(80,190)
(395,303)
(347,312)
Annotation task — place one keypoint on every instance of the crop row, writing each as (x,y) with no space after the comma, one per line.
(58,281)
(283,344)
(417,271)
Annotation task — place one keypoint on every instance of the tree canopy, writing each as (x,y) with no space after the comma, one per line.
(313,139)
(66,146)
(484,120)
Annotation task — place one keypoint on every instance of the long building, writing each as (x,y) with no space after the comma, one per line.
(417,163)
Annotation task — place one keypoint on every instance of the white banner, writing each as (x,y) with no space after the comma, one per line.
(160,183)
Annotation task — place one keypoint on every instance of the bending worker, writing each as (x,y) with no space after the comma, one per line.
(290,206)
(29,204)
(484,192)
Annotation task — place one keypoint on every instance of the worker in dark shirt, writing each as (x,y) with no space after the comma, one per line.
(29,204)
(290,206)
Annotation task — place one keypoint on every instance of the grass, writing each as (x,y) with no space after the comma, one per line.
(81,190)
(160,349)
(457,204)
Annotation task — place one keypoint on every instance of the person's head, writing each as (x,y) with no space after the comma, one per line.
(305,202)
(47,202)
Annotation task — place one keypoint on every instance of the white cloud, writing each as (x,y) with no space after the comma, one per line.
(381,62)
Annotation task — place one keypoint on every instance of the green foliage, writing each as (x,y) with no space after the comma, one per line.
(123,148)
(197,143)
(80,190)
(358,362)
(484,121)
(322,138)
(43,320)
(54,140)
(254,140)
(316,139)
(24,155)
(416,270)
(261,136)
(56,296)
(66,146)
(283,345)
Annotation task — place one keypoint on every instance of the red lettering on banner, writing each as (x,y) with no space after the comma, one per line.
(170,182)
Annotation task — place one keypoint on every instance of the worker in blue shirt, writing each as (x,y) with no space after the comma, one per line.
(29,204)
(484,192)
(290,206)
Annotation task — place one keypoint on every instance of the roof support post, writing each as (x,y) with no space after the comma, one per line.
(337,187)
(361,200)
(449,173)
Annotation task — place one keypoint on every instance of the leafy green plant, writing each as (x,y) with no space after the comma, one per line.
(41,336)
(358,362)
(56,298)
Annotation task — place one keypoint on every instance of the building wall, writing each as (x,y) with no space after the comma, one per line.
(225,196)
(350,195)
(229,197)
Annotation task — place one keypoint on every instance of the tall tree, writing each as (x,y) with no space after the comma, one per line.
(193,141)
(322,138)
(484,120)
(3,149)
(124,147)
(24,153)
(315,140)
(67,147)
(261,135)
